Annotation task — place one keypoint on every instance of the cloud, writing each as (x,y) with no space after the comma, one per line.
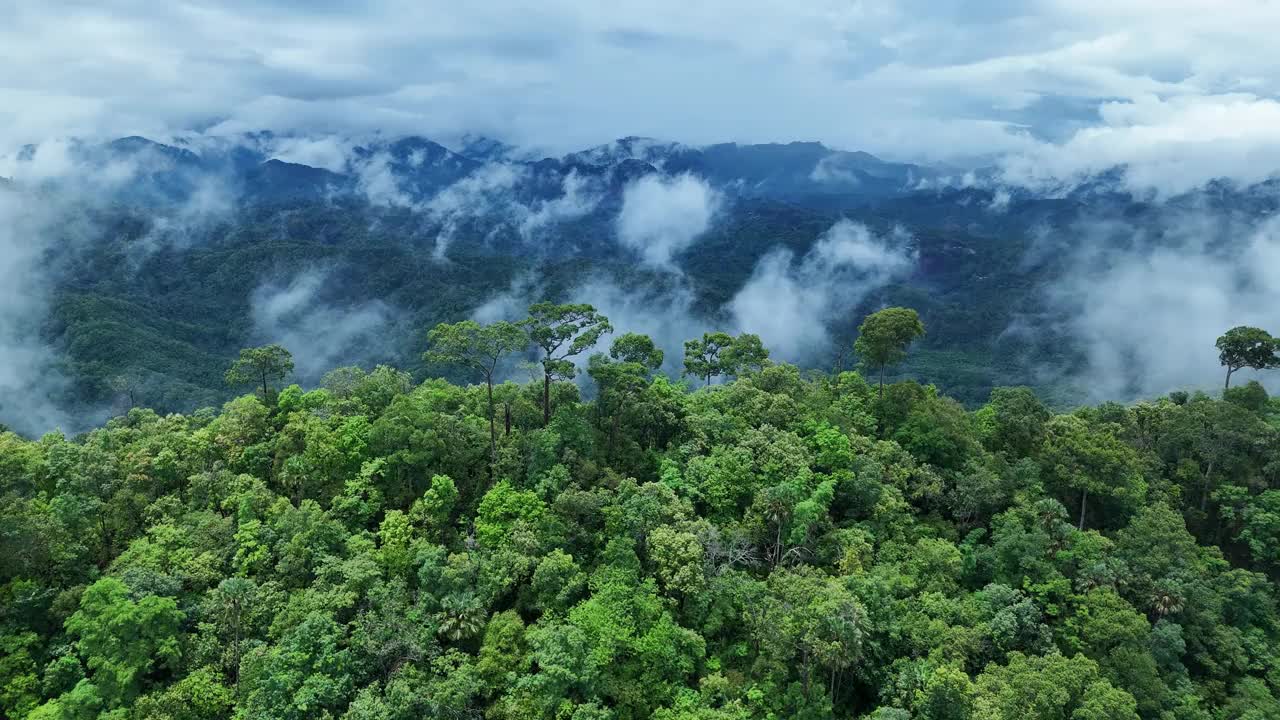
(664,311)
(53,210)
(911,79)
(31,382)
(320,334)
(1166,146)
(665,314)
(380,185)
(1145,306)
(788,303)
(488,196)
(329,152)
(579,197)
(511,304)
(662,217)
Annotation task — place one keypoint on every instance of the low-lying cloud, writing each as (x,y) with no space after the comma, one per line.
(663,216)
(664,314)
(788,302)
(320,334)
(30,380)
(1146,309)
(1163,146)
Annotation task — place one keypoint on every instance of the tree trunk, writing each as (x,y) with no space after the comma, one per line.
(1204,490)
(235,651)
(493,430)
(881,381)
(1227,384)
(507,413)
(777,546)
(546,399)
(808,672)
(613,433)
(1084,501)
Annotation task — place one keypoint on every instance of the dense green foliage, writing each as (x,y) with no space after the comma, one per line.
(1247,347)
(140,322)
(884,336)
(780,545)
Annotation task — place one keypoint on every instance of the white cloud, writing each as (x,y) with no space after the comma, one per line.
(788,303)
(319,334)
(1147,307)
(329,152)
(1168,146)
(662,216)
(666,315)
(578,198)
(913,79)
(380,185)
(30,380)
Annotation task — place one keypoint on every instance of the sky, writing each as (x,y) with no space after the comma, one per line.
(1055,88)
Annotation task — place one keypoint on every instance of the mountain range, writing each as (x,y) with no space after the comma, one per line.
(157,261)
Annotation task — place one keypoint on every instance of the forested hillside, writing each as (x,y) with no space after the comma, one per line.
(141,268)
(749,541)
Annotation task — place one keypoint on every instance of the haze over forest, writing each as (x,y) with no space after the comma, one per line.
(251,467)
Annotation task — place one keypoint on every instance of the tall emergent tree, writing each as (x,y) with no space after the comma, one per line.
(480,348)
(560,332)
(621,377)
(747,353)
(637,348)
(705,357)
(1243,346)
(719,353)
(260,365)
(884,336)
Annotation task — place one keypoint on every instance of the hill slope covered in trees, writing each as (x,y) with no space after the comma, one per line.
(141,268)
(783,544)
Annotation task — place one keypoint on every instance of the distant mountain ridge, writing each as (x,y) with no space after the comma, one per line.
(260,169)
(421,167)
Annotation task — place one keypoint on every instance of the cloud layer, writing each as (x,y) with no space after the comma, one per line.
(319,334)
(788,302)
(1146,308)
(1184,86)
(30,380)
(662,216)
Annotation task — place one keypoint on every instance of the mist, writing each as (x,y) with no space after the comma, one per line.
(321,334)
(1145,307)
(662,217)
(664,314)
(31,382)
(788,301)
(50,213)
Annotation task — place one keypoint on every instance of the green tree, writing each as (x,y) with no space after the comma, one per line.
(1051,687)
(884,336)
(260,366)
(198,696)
(308,674)
(637,348)
(561,332)
(705,357)
(479,348)
(746,353)
(121,640)
(1090,460)
(1243,346)
(1013,421)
